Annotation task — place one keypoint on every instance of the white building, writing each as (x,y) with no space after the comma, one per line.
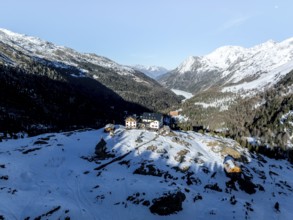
(152,120)
(131,122)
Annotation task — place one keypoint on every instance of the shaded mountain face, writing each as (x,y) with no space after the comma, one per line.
(52,85)
(233,68)
(52,100)
(152,71)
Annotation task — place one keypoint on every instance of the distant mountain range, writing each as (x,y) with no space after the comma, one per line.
(233,68)
(45,84)
(151,71)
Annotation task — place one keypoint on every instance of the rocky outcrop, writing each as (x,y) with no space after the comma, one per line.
(101,150)
(168,204)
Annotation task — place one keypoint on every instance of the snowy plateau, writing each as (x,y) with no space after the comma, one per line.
(144,175)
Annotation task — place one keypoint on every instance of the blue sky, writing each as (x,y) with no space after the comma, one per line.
(150,32)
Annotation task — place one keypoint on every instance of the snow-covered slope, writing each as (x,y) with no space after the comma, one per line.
(34,46)
(187,95)
(262,65)
(141,175)
(39,57)
(151,71)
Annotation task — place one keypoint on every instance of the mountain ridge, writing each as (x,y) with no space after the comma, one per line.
(231,65)
(151,71)
(121,89)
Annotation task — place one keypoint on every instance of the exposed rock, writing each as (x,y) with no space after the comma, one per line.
(184,169)
(139,140)
(197,197)
(162,151)
(168,204)
(101,150)
(261,174)
(260,187)
(233,200)
(148,170)
(198,160)
(180,141)
(49,213)
(205,169)
(277,207)
(165,130)
(152,148)
(31,150)
(146,203)
(214,187)
(101,146)
(229,151)
(125,162)
(246,185)
(40,142)
(180,157)
(4,177)
(231,185)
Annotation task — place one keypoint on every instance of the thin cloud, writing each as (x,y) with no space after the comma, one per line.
(234,23)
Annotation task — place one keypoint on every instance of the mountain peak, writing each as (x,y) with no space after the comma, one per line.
(188,64)
(246,67)
(9,33)
(224,56)
(288,41)
(264,46)
(151,71)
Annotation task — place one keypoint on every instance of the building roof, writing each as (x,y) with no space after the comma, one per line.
(173,113)
(133,117)
(152,116)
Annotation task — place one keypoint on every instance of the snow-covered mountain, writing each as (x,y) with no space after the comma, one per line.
(79,87)
(63,57)
(151,71)
(234,68)
(34,46)
(138,175)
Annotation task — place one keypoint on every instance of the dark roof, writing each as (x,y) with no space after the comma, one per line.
(152,116)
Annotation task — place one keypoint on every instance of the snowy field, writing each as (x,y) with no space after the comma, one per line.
(187,95)
(57,176)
